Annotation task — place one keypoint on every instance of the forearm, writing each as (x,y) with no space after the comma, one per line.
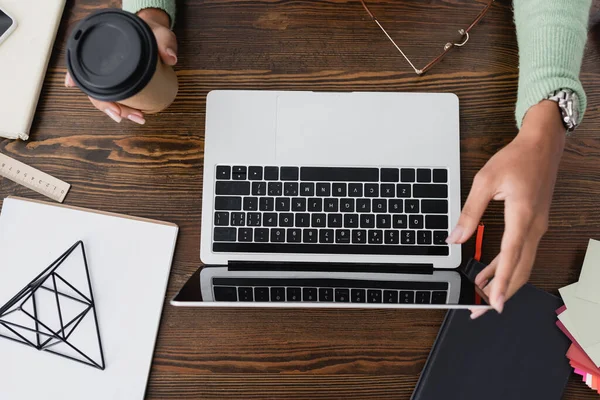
(136,5)
(551,35)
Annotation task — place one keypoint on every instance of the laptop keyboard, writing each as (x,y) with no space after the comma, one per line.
(329,290)
(331,210)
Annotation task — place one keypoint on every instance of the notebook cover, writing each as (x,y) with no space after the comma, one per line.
(519,354)
(24,57)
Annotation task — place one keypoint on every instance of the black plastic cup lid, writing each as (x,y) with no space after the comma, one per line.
(112,55)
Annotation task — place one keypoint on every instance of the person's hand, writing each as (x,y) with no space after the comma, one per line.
(159,22)
(523,175)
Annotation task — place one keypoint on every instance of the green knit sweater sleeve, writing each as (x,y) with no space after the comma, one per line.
(134,6)
(551,36)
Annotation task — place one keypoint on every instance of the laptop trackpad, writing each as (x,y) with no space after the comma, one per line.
(340,129)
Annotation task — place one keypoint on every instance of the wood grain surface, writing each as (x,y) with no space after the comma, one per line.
(155,171)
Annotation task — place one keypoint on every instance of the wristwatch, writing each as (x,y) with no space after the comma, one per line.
(568,104)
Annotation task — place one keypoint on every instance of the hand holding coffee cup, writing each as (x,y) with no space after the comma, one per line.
(123,62)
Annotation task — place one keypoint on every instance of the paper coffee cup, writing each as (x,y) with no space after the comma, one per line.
(112,55)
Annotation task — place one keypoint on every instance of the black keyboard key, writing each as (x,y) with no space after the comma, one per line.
(379,205)
(261,235)
(270,219)
(255,173)
(294,236)
(438,297)
(239,173)
(363,205)
(298,204)
(375,236)
(388,190)
(424,237)
(277,235)
(271,173)
(225,293)
(332,248)
(274,188)
(373,296)
(266,204)
(315,204)
(342,295)
(407,297)
(392,237)
(403,190)
(282,204)
(221,218)
(223,172)
(302,220)
(415,221)
(261,294)
(439,237)
(326,294)
(407,237)
(309,294)
(390,296)
(323,189)
(286,219)
(326,235)
(347,205)
(228,203)
(351,221)
(335,174)
(290,189)
(229,188)
(342,235)
(359,236)
(399,221)
(390,174)
(277,294)
(331,205)
(423,175)
(334,220)
(238,219)
(440,175)
(358,295)
(245,234)
(310,235)
(338,190)
(307,189)
(423,297)
(431,191)
(367,221)
(355,189)
(436,222)
(290,173)
(245,294)
(411,206)
(319,220)
(384,221)
(253,219)
(250,203)
(371,190)
(259,188)
(396,206)
(293,294)
(434,206)
(407,175)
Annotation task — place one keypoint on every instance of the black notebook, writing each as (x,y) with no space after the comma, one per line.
(519,354)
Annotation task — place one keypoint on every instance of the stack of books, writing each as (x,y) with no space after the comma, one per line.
(579,318)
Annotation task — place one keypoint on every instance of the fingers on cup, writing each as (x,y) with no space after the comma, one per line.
(117,112)
(167,46)
(69,82)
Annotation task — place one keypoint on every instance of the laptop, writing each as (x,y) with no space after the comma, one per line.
(315,199)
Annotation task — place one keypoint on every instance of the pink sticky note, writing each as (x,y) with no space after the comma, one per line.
(580,372)
(561,310)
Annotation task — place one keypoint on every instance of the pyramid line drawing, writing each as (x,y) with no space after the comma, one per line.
(34,329)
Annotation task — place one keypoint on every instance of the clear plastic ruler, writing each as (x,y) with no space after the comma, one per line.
(33,179)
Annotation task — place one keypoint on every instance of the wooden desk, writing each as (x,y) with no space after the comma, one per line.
(155,171)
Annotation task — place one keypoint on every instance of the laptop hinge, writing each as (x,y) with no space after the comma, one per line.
(425,269)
